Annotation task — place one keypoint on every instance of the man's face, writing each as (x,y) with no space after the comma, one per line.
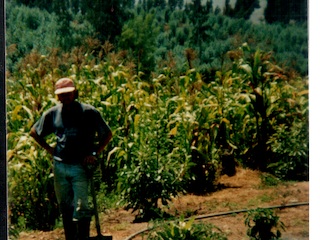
(66,98)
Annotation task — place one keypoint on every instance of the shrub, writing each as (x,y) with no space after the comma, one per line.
(263,224)
(180,230)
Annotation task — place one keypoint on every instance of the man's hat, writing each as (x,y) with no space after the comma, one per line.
(64,85)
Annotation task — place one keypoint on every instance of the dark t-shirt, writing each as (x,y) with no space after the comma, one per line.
(76,130)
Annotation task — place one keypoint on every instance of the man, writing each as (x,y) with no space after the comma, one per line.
(81,135)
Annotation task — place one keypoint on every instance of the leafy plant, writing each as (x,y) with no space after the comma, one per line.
(263,224)
(13,232)
(181,229)
(31,196)
(157,166)
(273,101)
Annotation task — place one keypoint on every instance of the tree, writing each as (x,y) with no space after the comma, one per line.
(228,11)
(244,8)
(138,36)
(198,16)
(155,4)
(285,11)
(28,29)
(107,17)
(173,4)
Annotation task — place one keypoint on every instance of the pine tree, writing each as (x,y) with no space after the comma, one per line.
(173,4)
(244,8)
(285,11)
(139,37)
(107,17)
(228,11)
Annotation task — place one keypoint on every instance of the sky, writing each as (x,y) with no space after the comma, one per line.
(221,3)
(256,16)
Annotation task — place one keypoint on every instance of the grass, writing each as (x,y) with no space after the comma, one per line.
(266,198)
(231,205)
(268,180)
(121,226)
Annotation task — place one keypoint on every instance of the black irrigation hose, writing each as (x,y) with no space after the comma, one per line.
(222,214)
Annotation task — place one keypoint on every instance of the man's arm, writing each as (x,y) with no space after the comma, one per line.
(41,141)
(104,142)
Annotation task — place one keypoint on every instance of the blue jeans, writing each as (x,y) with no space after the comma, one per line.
(71,186)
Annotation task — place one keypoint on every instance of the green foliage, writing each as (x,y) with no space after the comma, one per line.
(33,29)
(172,30)
(28,29)
(186,230)
(156,160)
(13,232)
(286,11)
(213,35)
(269,180)
(289,141)
(173,133)
(105,198)
(273,102)
(107,17)
(32,201)
(185,99)
(263,224)
(244,8)
(138,36)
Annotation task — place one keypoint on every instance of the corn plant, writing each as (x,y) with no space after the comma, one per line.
(157,164)
(270,95)
(32,202)
(31,192)
(200,132)
(173,133)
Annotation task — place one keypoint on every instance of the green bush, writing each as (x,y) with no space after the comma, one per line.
(181,229)
(263,224)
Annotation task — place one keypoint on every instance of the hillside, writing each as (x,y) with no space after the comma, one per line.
(242,191)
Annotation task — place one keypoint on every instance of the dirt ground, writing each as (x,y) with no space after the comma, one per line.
(242,191)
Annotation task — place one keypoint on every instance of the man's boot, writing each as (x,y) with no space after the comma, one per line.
(84,229)
(70,228)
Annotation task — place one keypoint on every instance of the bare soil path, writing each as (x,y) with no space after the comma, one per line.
(242,191)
